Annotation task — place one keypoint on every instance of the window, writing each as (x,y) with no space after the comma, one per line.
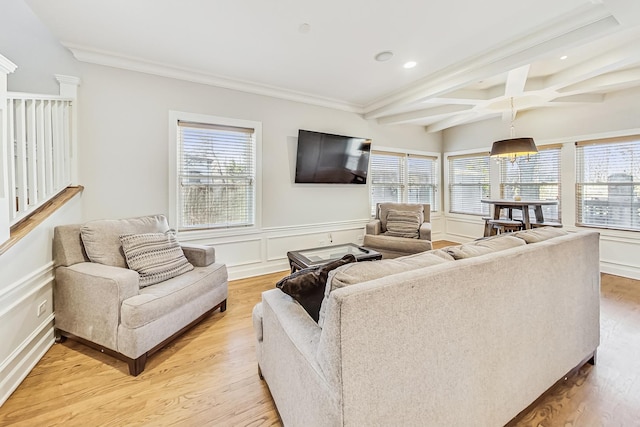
(608,183)
(469,182)
(216,174)
(535,179)
(403,178)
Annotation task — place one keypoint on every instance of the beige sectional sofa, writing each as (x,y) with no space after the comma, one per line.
(470,335)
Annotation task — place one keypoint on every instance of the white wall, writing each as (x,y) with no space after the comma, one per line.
(123,151)
(618,115)
(30,45)
(26,280)
(26,269)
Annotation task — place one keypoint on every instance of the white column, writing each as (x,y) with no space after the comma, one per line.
(6,67)
(69,89)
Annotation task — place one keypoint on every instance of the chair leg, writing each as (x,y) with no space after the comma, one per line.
(136,366)
(260,373)
(487,227)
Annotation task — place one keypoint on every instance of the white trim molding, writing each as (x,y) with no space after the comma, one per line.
(112,59)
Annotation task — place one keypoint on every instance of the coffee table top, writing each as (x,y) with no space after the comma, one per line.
(322,255)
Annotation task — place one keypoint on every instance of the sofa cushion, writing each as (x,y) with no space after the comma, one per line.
(169,296)
(307,286)
(155,256)
(370,270)
(365,271)
(403,224)
(536,235)
(101,238)
(485,246)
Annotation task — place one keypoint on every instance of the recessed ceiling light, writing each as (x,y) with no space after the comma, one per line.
(410,64)
(563,57)
(383,56)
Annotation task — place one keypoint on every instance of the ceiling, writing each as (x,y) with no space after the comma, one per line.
(473,58)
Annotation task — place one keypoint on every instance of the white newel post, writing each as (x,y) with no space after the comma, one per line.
(69,89)
(6,67)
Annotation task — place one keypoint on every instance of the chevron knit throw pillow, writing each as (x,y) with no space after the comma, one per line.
(155,256)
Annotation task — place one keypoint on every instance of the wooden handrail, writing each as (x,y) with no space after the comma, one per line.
(27,224)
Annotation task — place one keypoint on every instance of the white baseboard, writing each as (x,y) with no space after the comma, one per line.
(26,334)
(630,271)
(15,370)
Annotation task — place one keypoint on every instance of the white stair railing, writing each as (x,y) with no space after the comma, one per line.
(37,147)
(39,129)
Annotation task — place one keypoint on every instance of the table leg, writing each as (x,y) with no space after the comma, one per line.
(525,217)
(539,215)
(496,211)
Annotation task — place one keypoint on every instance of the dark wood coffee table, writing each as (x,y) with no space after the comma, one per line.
(317,256)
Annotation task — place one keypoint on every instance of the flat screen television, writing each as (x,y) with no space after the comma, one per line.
(325,158)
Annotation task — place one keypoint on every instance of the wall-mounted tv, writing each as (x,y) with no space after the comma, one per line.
(325,158)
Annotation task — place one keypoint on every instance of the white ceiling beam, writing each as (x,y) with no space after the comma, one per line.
(622,56)
(456,120)
(603,81)
(581,98)
(462,96)
(573,29)
(427,113)
(516,80)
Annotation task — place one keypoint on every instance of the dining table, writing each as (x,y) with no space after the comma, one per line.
(523,205)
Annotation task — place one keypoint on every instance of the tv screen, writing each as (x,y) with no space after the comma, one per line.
(331,159)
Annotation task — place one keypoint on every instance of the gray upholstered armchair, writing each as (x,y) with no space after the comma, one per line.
(399,229)
(103,302)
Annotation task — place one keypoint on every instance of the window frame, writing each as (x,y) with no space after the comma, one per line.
(580,183)
(403,186)
(174,182)
(448,175)
(504,162)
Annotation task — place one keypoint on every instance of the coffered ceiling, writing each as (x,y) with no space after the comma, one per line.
(473,58)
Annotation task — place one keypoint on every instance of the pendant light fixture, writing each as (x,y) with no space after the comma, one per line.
(513,147)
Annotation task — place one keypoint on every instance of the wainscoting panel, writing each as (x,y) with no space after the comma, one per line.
(463,229)
(26,327)
(266,250)
(619,256)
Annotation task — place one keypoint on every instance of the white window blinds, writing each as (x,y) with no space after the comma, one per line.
(422,180)
(403,178)
(469,182)
(216,176)
(608,183)
(535,179)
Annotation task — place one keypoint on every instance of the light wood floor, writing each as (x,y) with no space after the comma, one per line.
(208,377)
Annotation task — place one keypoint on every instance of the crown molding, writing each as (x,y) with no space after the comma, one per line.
(111,59)
(6,66)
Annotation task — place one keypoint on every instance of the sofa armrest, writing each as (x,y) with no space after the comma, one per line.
(88,297)
(281,311)
(374,227)
(425,231)
(199,255)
